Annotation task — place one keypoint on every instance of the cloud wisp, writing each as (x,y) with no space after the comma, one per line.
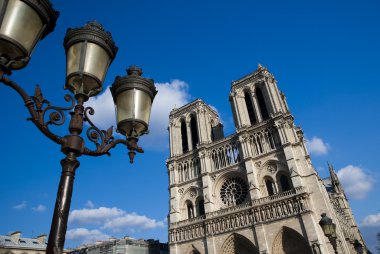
(170,94)
(317,146)
(356,182)
(20,206)
(372,220)
(113,219)
(40,208)
(89,204)
(84,235)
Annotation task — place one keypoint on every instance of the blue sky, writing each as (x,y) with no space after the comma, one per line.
(324,55)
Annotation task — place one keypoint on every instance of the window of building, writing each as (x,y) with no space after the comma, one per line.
(271,188)
(185,145)
(194,131)
(190,211)
(201,207)
(250,108)
(234,191)
(284,181)
(262,104)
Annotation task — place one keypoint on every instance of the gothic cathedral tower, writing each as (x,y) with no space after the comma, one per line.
(256,190)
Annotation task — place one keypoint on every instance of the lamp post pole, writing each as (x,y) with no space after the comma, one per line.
(89,52)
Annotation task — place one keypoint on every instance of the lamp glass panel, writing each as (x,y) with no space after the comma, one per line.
(89,71)
(132,105)
(73,58)
(22,24)
(328,229)
(97,61)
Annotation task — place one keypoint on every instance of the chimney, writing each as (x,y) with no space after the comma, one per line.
(41,239)
(15,236)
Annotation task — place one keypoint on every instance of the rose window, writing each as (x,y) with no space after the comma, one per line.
(234,191)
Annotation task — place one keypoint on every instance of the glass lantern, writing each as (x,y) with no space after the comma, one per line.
(133,96)
(89,52)
(328,227)
(22,25)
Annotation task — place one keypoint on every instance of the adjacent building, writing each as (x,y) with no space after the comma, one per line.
(255,191)
(15,244)
(123,246)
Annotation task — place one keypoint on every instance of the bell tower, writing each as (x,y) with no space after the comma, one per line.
(255,191)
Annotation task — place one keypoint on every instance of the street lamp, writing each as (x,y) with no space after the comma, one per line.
(329,229)
(89,52)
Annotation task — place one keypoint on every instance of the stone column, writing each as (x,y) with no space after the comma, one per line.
(206,181)
(237,111)
(274,93)
(188,133)
(256,108)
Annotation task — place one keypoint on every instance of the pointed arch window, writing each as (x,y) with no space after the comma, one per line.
(185,145)
(190,210)
(250,108)
(284,181)
(194,131)
(271,188)
(201,207)
(262,104)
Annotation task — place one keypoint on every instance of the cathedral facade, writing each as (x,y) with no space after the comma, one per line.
(255,191)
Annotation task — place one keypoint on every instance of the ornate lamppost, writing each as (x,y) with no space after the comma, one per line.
(89,52)
(329,229)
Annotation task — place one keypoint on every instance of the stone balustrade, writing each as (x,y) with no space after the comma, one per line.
(223,154)
(286,204)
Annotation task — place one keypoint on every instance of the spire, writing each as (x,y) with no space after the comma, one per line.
(334,179)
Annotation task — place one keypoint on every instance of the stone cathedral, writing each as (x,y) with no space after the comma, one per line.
(255,191)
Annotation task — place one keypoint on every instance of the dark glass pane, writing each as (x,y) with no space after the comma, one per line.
(262,105)
(270,189)
(250,109)
(194,132)
(190,211)
(185,146)
(201,207)
(284,183)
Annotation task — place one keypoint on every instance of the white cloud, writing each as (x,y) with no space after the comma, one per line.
(317,146)
(170,94)
(355,181)
(84,235)
(372,220)
(114,219)
(95,216)
(89,204)
(40,208)
(133,222)
(22,205)
(103,105)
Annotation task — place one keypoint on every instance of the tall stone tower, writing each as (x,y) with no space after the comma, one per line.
(256,190)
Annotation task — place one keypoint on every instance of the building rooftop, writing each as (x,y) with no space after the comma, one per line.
(14,240)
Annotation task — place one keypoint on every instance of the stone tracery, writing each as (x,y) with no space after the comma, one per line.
(234,191)
(238,244)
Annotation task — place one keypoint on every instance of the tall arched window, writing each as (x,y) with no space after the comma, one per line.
(201,207)
(185,145)
(270,186)
(250,108)
(276,137)
(262,104)
(190,210)
(194,131)
(284,181)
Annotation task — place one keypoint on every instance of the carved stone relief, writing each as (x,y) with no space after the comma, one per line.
(272,168)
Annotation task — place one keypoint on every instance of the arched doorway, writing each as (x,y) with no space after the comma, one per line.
(238,244)
(289,241)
